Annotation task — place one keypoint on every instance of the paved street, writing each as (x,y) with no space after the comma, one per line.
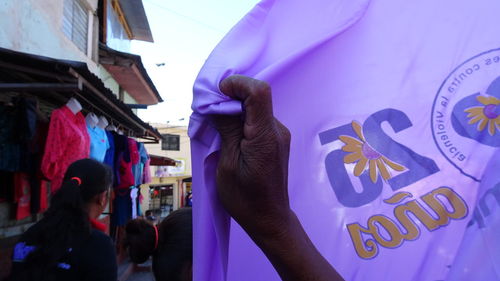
(142,273)
(141,276)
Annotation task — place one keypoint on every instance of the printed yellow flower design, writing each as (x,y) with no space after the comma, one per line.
(487,115)
(363,153)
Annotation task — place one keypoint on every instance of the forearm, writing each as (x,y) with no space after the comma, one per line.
(293,254)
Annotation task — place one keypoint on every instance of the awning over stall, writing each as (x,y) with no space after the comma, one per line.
(55,81)
(161,161)
(128,71)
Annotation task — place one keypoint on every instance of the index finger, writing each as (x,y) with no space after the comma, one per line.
(255,95)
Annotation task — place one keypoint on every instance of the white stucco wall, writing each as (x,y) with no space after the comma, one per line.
(35,26)
(185,146)
(108,80)
(111,84)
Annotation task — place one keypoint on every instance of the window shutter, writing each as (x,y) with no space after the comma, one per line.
(170,142)
(75,23)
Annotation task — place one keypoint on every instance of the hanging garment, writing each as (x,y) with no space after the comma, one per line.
(6,187)
(127,178)
(134,152)
(125,174)
(122,207)
(67,141)
(398,123)
(99,143)
(109,158)
(147,172)
(37,180)
(44,188)
(139,167)
(133,198)
(22,195)
(140,199)
(123,165)
(17,127)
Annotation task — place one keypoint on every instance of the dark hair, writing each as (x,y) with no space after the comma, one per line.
(173,258)
(66,222)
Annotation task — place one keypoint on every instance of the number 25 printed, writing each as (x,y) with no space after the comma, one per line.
(375,155)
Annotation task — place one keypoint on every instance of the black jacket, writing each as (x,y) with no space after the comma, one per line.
(93,259)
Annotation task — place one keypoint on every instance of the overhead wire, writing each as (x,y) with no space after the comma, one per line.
(185,16)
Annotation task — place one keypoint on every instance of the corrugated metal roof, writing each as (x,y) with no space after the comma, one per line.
(128,70)
(17,67)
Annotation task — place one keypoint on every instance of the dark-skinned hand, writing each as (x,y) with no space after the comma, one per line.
(252,182)
(253,166)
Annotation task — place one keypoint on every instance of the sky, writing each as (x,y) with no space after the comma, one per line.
(185,32)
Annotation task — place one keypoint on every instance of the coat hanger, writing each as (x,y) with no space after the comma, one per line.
(111,127)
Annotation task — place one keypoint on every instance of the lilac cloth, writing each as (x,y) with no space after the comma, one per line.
(391,105)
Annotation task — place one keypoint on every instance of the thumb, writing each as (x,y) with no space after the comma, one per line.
(230,129)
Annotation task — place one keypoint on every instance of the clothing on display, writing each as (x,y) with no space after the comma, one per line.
(35,152)
(99,143)
(125,174)
(122,207)
(122,164)
(138,168)
(140,199)
(23,131)
(22,195)
(134,152)
(146,174)
(6,186)
(133,198)
(109,158)
(44,189)
(67,141)
(37,180)
(17,127)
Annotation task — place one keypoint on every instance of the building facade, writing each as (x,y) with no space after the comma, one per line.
(56,50)
(171,185)
(77,30)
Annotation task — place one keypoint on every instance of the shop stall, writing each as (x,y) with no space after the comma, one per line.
(53,112)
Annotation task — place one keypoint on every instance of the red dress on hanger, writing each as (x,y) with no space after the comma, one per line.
(67,141)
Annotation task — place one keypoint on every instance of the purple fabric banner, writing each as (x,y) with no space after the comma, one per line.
(394,110)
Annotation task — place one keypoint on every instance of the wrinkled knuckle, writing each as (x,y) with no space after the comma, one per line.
(264,88)
(261,90)
(287,136)
(283,132)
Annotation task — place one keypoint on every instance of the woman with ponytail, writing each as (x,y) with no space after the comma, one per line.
(68,243)
(170,244)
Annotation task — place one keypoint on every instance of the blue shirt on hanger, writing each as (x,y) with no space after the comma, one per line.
(99,143)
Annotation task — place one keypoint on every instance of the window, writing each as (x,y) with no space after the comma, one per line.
(76,23)
(170,142)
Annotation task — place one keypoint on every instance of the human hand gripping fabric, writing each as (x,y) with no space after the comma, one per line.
(252,182)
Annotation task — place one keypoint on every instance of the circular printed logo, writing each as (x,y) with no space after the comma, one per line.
(466,114)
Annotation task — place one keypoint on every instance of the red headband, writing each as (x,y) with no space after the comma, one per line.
(78,180)
(156,236)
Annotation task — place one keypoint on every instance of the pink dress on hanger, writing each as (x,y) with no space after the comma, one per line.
(67,141)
